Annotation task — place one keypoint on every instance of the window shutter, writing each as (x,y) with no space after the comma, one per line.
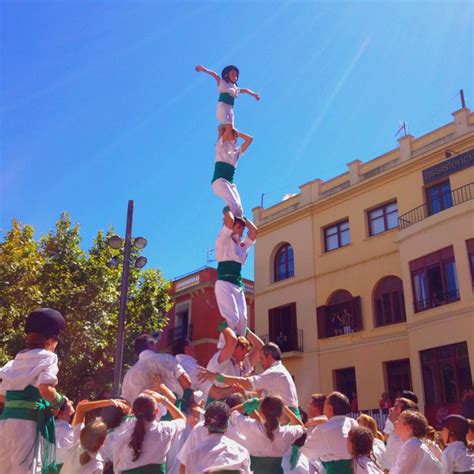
(293,336)
(271,325)
(321,320)
(357,314)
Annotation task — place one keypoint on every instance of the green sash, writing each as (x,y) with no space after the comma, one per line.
(343,466)
(230,271)
(59,467)
(28,404)
(296,411)
(226,98)
(223,170)
(265,465)
(148,469)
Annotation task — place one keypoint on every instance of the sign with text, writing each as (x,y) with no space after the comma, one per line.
(447,167)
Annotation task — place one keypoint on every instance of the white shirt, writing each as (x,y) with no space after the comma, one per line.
(229,248)
(328,441)
(112,435)
(228,152)
(389,427)
(72,465)
(139,376)
(364,465)
(218,452)
(258,443)
(416,458)
(394,445)
(379,450)
(64,440)
(277,380)
(230,366)
(302,465)
(155,447)
(456,457)
(29,367)
(227,87)
(191,366)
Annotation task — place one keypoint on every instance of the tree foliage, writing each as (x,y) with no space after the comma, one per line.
(56,272)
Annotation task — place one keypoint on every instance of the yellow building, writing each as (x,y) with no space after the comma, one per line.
(366,280)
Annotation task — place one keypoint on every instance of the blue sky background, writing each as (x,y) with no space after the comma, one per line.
(100,104)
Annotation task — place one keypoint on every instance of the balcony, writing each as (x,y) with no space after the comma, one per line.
(339,319)
(184,331)
(438,299)
(441,203)
(286,343)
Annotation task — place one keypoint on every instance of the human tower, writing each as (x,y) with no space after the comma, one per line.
(231,248)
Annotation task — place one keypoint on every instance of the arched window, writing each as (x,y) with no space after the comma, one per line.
(284,266)
(389,304)
(339,297)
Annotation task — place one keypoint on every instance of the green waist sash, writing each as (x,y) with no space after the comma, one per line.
(296,411)
(230,271)
(265,465)
(28,404)
(343,466)
(148,469)
(223,170)
(226,98)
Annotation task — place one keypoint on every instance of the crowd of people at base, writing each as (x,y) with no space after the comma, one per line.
(177,417)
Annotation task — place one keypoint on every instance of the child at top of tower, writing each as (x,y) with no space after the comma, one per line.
(228,91)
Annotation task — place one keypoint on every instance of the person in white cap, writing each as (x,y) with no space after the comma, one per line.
(27,388)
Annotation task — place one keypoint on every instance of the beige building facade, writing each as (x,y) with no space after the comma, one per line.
(366,280)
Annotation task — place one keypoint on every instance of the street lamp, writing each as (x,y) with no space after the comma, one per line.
(116,242)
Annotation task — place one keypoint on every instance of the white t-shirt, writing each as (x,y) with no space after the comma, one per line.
(328,442)
(155,447)
(456,457)
(229,248)
(258,443)
(394,445)
(227,87)
(72,464)
(139,377)
(416,458)
(379,451)
(364,465)
(227,152)
(29,367)
(276,380)
(64,440)
(229,367)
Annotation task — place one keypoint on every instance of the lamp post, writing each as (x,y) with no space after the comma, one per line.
(116,242)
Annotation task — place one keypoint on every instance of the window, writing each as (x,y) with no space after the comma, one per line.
(389,303)
(337,236)
(284,263)
(439,197)
(470,255)
(345,381)
(383,218)
(446,373)
(283,327)
(342,315)
(398,377)
(434,279)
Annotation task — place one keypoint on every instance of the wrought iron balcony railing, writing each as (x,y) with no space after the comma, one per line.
(286,342)
(433,206)
(438,299)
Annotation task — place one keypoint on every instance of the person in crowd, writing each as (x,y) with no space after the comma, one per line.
(430,440)
(64,432)
(275,379)
(328,442)
(394,442)
(410,396)
(354,403)
(385,403)
(315,406)
(458,456)
(360,446)
(145,442)
(414,456)
(470,433)
(267,440)
(378,448)
(140,376)
(27,389)
(217,452)
(467,402)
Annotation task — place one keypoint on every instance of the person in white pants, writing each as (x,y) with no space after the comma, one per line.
(227,154)
(231,254)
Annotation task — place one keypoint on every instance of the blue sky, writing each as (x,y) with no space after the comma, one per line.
(100,104)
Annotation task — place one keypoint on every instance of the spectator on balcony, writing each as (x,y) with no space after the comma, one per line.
(385,403)
(282,342)
(140,376)
(354,403)
(336,321)
(347,322)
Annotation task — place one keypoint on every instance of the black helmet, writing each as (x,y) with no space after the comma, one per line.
(45,321)
(226,71)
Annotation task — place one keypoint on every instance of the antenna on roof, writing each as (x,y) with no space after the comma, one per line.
(463,102)
(404,127)
(210,256)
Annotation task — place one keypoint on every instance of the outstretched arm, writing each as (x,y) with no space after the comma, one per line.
(84,406)
(205,374)
(210,72)
(247,141)
(228,219)
(252,229)
(175,412)
(256,95)
(257,344)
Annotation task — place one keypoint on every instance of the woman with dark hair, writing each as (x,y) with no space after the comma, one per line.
(457,457)
(217,452)
(27,388)
(368,422)
(145,442)
(360,442)
(267,440)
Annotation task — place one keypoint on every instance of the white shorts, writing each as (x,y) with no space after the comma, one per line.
(229,193)
(225,113)
(232,305)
